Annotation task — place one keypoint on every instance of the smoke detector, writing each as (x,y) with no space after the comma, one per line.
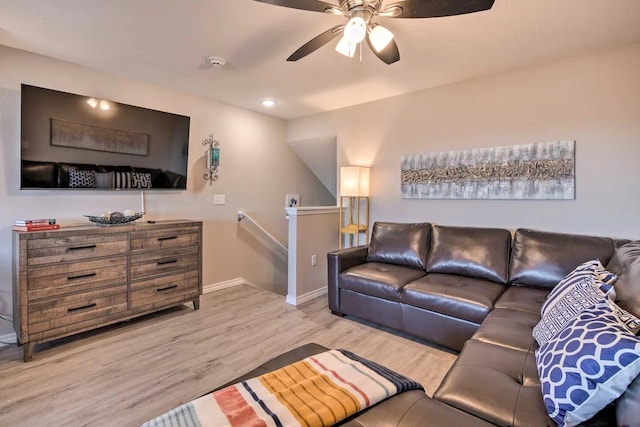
(216,61)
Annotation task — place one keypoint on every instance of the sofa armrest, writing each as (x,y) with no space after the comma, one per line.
(339,261)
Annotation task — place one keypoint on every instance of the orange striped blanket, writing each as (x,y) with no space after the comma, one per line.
(320,390)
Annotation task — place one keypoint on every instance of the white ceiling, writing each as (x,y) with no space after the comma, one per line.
(166,42)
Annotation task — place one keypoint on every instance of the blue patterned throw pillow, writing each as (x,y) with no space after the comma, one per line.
(588,365)
(588,270)
(631,322)
(581,289)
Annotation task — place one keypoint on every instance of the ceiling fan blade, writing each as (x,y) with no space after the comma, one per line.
(389,54)
(434,8)
(312,5)
(316,43)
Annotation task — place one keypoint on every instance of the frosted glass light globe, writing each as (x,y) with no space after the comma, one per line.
(355,30)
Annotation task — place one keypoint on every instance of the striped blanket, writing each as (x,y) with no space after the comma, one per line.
(320,390)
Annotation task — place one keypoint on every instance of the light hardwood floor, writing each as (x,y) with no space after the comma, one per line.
(128,373)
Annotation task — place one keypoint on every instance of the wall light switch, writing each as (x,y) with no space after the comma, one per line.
(314,260)
(219,199)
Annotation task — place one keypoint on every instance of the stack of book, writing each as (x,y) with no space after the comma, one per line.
(35,225)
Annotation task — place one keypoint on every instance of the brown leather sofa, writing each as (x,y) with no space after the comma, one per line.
(470,288)
(43,174)
(478,290)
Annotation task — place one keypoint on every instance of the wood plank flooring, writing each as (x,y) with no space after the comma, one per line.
(131,372)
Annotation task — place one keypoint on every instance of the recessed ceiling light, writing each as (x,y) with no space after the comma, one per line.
(216,61)
(269,103)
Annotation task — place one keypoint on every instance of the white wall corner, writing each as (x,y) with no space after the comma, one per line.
(293,300)
(212,287)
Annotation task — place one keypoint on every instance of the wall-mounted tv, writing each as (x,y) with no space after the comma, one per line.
(80,142)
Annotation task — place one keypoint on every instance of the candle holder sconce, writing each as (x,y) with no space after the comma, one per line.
(212,159)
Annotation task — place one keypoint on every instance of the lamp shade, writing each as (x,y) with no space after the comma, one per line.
(380,37)
(346,48)
(355,30)
(354,181)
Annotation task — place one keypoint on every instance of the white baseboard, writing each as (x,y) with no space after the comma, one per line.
(8,338)
(223,285)
(306,297)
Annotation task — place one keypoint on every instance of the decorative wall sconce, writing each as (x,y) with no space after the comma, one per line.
(212,159)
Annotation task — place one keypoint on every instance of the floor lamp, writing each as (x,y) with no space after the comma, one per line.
(354,188)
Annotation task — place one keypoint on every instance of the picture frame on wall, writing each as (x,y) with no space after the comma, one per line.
(292,201)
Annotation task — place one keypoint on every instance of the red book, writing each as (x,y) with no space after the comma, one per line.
(36,227)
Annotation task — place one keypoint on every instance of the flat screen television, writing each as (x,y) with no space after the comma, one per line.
(81,142)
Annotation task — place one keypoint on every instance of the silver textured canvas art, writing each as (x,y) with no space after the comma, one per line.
(87,137)
(533,171)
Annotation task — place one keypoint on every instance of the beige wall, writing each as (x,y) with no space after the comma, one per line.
(258,169)
(593,99)
(313,232)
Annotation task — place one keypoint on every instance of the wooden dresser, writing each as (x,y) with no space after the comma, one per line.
(79,278)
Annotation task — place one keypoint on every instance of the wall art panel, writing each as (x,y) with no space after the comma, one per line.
(533,171)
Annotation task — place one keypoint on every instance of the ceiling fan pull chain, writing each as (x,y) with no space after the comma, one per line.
(360,52)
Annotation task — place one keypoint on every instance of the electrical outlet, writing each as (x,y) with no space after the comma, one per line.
(314,260)
(219,199)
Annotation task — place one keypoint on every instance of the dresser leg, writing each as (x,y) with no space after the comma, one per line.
(196,303)
(27,349)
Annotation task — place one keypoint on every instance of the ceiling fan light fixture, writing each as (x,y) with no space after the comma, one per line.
(346,48)
(380,37)
(355,30)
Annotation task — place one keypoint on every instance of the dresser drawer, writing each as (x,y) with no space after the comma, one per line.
(165,239)
(150,264)
(65,311)
(165,290)
(74,248)
(63,278)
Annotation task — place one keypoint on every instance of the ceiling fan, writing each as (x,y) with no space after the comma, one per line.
(360,26)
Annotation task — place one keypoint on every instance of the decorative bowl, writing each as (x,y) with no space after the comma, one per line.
(114,220)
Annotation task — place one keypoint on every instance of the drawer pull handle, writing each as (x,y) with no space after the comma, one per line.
(84,307)
(81,276)
(168,261)
(78,248)
(161,239)
(166,288)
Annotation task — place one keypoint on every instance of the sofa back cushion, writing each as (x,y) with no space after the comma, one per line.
(543,259)
(626,264)
(473,252)
(400,243)
(39,174)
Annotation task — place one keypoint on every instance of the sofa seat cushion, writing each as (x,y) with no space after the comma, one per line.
(379,279)
(413,409)
(509,328)
(523,299)
(457,296)
(497,384)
